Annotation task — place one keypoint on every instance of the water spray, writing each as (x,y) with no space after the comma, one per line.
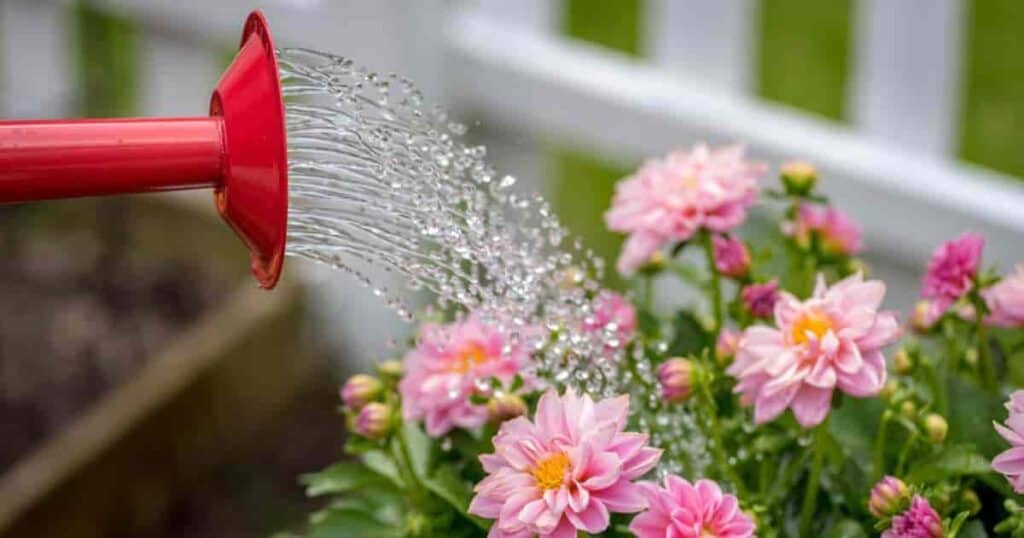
(239,151)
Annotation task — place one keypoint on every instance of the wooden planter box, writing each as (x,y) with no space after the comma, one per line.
(119,464)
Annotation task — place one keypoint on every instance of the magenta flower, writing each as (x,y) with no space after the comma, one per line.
(837,233)
(614,313)
(682,510)
(668,200)
(919,521)
(760,299)
(1011,462)
(951,272)
(442,372)
(564,472)
(1006,300)
(732,258)
(832,340)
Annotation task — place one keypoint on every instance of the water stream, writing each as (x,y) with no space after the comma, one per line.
(381,182)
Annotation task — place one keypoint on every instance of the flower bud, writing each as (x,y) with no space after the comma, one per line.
(888,497)
(969,501)
(505,406)
(732,258)
(921,320)
(676,377)
(971,357)
(799,177)
(902,362)
(759,299)
(889,390)
(909,410)
(727,345)
(936,427)
(391,369)
(374,420)
(359,390)
(654,265)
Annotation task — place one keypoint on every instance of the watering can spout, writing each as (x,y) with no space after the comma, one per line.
(239,151)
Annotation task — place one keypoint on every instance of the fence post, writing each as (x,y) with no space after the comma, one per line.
(907,72)
(35,63)
(706,42)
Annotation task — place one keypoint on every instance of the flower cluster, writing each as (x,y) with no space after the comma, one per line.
(782,399)
(445,369)
(566,471)
(831,341)
(668,200)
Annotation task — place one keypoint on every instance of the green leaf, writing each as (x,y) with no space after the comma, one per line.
(445,483)
(973,529)
(953,528)
(648,323)
(382,464)
(339,478)
(951,461)
(689,336)
(419,447)
(846,528)
(350,523)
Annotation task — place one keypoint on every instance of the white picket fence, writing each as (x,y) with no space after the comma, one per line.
(503,62)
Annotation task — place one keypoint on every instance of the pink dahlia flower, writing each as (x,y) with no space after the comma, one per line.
(832,340)
(760,299)
(838,233)
(442,372)
(732,258)
(682,510)
(614,313)
(919,521)
(951,272)
(668,200)
(1011,462)
(1006,300)
(564,472)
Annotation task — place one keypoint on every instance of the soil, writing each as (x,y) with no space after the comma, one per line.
(258,493)
(80,312)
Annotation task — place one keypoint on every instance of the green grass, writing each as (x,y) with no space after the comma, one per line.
(107,68)
(804,54)
(583,182)
(992,120)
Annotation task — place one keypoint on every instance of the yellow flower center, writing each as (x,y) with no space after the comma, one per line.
(550,472)
(812,322)
(690,182)
(472,355)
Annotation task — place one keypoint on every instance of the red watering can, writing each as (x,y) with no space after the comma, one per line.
(239,151)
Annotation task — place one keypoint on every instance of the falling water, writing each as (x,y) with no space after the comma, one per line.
(378,181)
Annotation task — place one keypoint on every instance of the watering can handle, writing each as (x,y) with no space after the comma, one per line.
(48,159)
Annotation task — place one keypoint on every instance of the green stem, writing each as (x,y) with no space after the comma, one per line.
(883,427)
(904,452)
(716,282)
(985,367)
(403,460)
(814,480)
(714,432)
